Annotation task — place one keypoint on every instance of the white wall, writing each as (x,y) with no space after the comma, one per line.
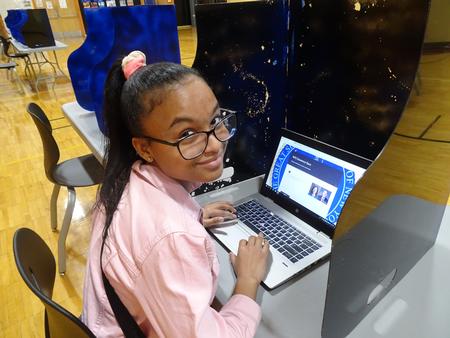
(12,4)
(438,29)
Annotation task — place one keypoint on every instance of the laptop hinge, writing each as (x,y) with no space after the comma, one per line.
(323,235)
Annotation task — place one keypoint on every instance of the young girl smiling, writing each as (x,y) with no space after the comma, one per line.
(166,135)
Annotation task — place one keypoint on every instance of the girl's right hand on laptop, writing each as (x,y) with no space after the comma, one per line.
(250,264)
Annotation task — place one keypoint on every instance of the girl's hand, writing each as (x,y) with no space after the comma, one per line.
(250,264)
(217,212)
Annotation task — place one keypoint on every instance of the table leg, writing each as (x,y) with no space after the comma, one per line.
(36,82)
(55,74)
(29,69)
(49,62)
(19,81)
(58,66)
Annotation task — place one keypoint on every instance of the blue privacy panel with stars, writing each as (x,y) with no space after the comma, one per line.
(112,33)
(338,71)
(242,53)
(351,69)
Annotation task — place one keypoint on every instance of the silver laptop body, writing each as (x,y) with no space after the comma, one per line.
(297,206)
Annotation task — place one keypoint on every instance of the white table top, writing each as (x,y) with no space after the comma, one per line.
(418,306)
(85,124)
(21,48)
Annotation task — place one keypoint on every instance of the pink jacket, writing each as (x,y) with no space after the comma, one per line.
(162,264)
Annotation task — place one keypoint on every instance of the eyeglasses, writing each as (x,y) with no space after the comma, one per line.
(194,145)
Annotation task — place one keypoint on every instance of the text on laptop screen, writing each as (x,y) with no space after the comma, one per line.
(315,180)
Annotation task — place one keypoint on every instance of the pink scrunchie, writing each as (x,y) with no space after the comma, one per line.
(132,62)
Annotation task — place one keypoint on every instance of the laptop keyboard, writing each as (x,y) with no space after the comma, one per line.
(288,240)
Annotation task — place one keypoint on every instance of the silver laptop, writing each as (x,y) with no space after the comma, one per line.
(298,204)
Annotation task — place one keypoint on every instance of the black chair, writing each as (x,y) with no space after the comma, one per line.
(29,70)
(36,265)
(82,171)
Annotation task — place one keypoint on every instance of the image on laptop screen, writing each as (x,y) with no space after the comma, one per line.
(317,181)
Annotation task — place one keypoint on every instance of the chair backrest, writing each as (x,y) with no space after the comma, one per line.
(36,265)
(51,150)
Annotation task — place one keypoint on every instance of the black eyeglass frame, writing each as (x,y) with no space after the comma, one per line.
(208,133)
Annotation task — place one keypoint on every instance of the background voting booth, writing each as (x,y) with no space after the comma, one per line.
(113,32)
(340,72)
(30,27)
(32,36)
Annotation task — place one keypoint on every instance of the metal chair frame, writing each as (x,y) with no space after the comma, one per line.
(10,67)
(81,171)
(29,70)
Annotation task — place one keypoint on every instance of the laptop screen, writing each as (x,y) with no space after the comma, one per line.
(320,181)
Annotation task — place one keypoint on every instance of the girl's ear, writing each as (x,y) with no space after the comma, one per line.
(143,148)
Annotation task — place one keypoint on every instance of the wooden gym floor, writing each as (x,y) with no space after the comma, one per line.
(25,191)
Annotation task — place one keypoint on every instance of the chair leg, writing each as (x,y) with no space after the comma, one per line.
(27,70)
(71,197)
(30,67)
(53,207)
(19,81)
(47,329)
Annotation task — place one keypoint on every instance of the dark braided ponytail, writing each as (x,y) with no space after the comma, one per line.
(126,102)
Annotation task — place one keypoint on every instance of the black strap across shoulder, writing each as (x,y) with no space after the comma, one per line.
(126,321)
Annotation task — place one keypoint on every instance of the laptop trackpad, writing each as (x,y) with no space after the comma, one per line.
(231,235)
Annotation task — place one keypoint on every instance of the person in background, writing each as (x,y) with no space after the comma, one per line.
(3,30)
(167,134)
(4,34)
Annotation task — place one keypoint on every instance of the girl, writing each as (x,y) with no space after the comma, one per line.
(166,133)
